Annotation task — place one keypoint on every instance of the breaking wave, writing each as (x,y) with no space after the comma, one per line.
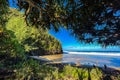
(94,53)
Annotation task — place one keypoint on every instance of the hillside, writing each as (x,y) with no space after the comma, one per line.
(35,41)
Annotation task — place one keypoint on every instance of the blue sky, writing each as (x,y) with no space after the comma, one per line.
(65,38)
(69,42)
(12,4)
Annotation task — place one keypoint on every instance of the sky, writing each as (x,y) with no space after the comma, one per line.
(12,4)
(69,42)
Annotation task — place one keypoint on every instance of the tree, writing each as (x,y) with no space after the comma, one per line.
(3,12)
(89,20)
(17,39)
(33,40)
(96,21)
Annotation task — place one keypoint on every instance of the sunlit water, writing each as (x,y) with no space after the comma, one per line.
(111,59)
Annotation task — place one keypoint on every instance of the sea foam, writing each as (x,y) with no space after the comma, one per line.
(94,53)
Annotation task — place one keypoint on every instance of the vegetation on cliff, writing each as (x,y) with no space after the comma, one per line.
(17,41)
(34,41)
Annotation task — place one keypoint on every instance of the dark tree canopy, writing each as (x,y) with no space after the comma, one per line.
(3,11)
(97,21)
(89,20)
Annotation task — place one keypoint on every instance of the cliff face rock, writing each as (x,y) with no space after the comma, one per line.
(47,45)
(36,41)
(40,52)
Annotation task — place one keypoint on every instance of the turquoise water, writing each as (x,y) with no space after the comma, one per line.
(111,59)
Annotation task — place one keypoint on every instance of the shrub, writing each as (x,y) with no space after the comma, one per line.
(73,73)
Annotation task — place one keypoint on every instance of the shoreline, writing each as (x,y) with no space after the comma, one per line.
(110,72)
(52,59)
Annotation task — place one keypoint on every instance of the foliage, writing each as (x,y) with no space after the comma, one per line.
(89,20)
(9,45)
(81,17)
(96,74)
(31,38)
(11,52)
(31,69)
(15,39)
(73,73)
(3,12)
(96,21)
(45,13)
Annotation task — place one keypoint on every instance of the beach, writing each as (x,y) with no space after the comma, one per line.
(85,58)
(84,62)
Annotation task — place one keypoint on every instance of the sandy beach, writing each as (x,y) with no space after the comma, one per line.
(52,59)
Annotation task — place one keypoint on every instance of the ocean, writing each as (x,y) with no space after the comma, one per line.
(98,58)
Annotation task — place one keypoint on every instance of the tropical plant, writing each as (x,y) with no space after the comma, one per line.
(89,20)
(31,38)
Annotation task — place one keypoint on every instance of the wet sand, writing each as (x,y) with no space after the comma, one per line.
(53,59)
(76,60)
(109,72)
